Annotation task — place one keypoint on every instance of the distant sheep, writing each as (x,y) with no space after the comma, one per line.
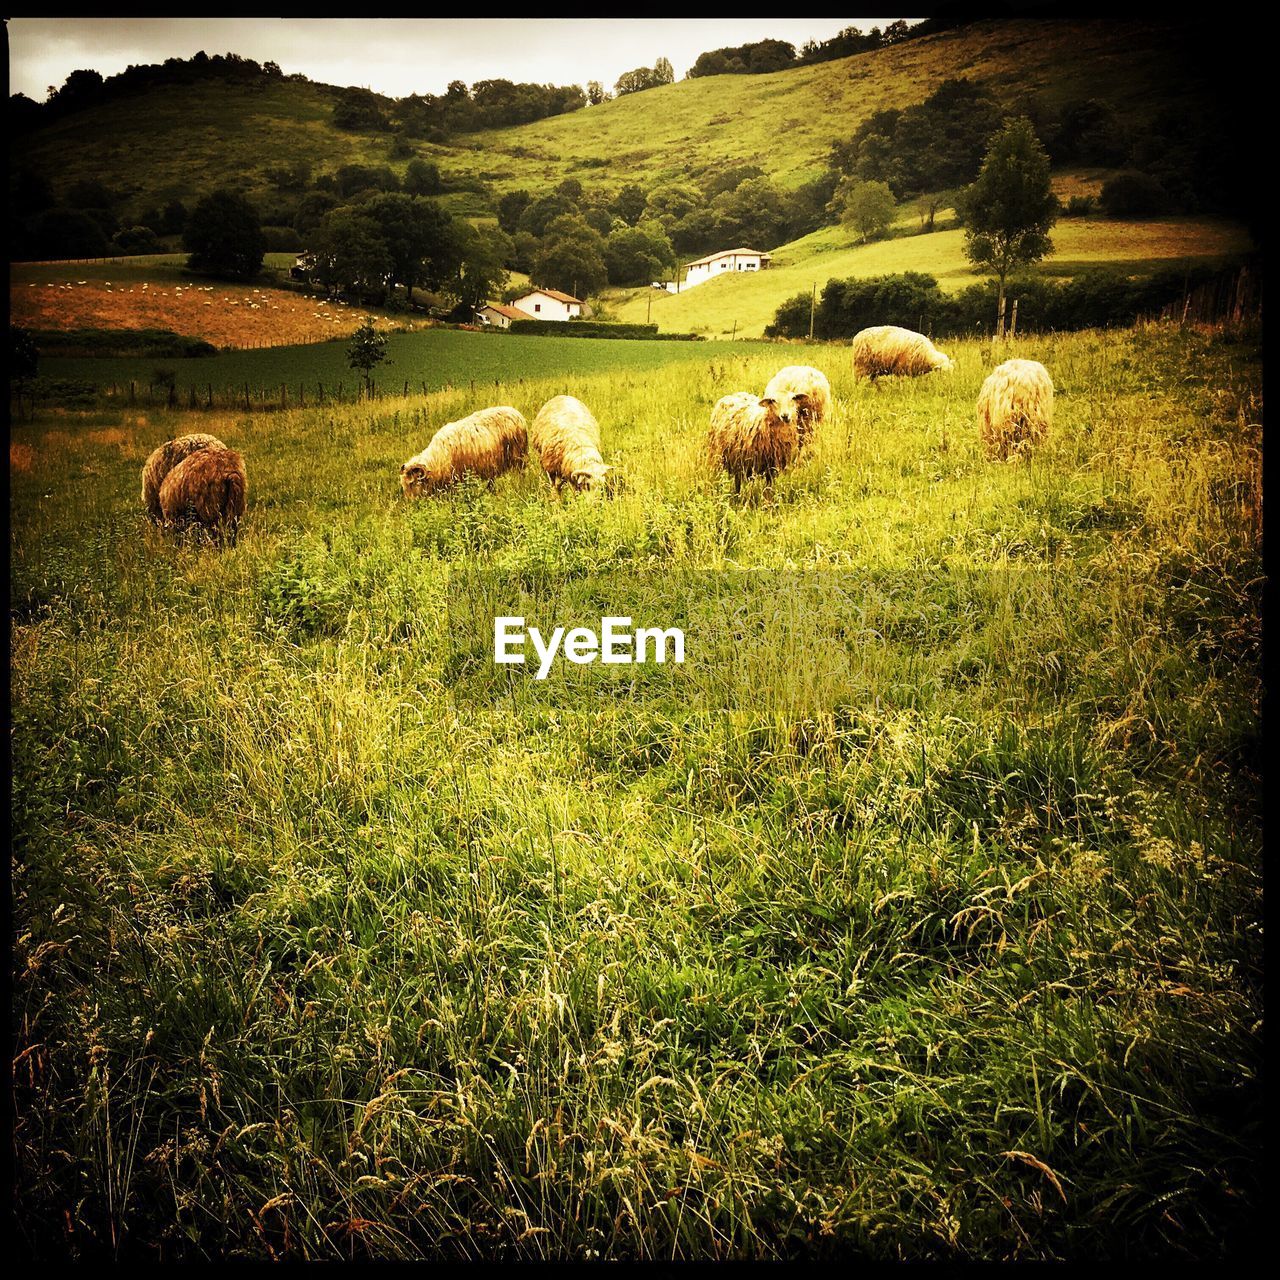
(209,488)
(567,438)
(484,444)
(1015,408)
(887,350)
(749,436)
(164,459)
(806,391)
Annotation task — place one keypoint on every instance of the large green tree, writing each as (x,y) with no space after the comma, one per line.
(570,258)
(867,207)
(1010,208)
(483,272)
(350,253)
(224,237)
(425,242)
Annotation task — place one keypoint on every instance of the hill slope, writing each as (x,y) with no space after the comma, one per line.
(181,140)
(745,303)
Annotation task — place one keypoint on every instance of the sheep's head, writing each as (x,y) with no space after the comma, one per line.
(590,477)
(781,410)
(414,479)
(803,406)
(943,363)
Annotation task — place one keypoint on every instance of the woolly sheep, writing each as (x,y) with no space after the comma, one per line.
(567,438)
(806,392)
(164,459)
(749,436)
(486,443)
(208,488)
(1015,408)
(887,349)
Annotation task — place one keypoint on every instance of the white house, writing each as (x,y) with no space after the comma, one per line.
(718,264)
(499,315)
(549,304)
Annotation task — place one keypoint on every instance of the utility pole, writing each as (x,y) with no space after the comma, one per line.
(648,311)
(813,303)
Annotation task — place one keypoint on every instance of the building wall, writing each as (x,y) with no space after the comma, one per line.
(541,307)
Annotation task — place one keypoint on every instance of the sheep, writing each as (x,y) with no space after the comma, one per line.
(567,438)
(808,394)
(485,443)
(208,488)
(164,459)
(887,349)
(750,436)
(1015,408)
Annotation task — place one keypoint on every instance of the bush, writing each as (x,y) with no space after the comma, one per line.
(595,329)
(121,342)
(1079,207)
(282,239)
(1133,195)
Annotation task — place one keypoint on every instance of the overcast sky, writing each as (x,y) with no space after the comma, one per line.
(396,56)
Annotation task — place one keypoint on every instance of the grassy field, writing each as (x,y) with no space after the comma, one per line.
(1079,244)
(436,357)
(149,147)
(927,927)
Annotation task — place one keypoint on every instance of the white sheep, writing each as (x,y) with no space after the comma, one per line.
(485,444)
(567,438)
(749,436)
(807,393)
(1015,408)
(886,349)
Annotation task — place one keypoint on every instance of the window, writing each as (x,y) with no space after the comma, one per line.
(537,306)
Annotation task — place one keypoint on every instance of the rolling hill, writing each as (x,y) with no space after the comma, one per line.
(149,147)
(743,304)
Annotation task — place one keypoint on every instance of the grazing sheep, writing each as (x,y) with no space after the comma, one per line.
(808,394)
(207,488)
(750,436)
(485,444)
(567,438)
(1015,408)
(164,459)
(886,349)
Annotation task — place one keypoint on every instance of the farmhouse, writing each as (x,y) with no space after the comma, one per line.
(715,264)
(549,304)
(499,315)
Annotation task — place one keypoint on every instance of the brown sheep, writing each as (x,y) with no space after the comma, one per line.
(1015,408)
(807,392)
(567,438)
(208,488)
(164,459)
(750,436)
(485,444)
(887,349)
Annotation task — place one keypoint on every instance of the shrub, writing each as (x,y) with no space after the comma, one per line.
(1133,195)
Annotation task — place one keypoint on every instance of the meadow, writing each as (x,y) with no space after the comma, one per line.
(929,930)
(158,292)
(749,300)
(434,357)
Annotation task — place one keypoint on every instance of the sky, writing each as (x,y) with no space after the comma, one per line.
(396,56)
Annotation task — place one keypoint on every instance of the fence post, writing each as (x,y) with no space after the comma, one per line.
(1013,320)
(247,409)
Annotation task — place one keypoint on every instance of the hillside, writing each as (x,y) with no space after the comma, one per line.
(149,147)
(745,303)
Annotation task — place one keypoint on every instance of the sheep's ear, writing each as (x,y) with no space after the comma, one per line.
(801,397)
(769,402)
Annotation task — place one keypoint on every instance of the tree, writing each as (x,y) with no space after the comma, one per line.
(350,253)
(868,207)
(483,273)
(663,72)
(223,237)
(24,358)
(597,93)
(367,351)
(422,178)
(423,240)
(1009,209)
(570,258)
(629,203)
(638,255)
(1133,195)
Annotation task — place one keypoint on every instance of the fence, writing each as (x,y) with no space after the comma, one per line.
(1233,297)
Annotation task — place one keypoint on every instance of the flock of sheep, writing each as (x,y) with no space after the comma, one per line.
(197,479)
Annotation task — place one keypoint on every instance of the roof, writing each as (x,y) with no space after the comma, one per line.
(512,313)
(728,253)
(556,294)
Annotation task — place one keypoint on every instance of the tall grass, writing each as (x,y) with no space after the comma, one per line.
(329,945)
